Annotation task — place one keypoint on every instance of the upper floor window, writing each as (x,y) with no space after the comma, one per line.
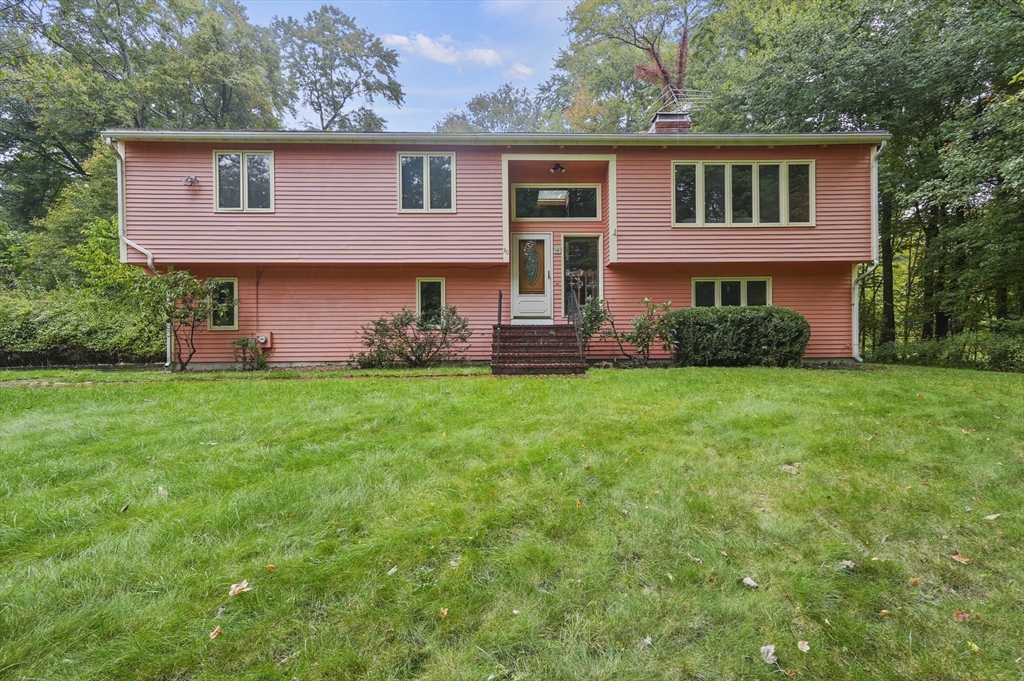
(554,202)
(426,182)
(245,180)
(743,194)
(732,292)
(224,300)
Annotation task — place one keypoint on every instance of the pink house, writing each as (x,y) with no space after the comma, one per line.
(316,234)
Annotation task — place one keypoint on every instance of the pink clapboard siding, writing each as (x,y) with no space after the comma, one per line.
(314,312)
(842,232)
(338,203)
(333,203)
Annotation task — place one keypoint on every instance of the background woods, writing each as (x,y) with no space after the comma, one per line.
(946,77)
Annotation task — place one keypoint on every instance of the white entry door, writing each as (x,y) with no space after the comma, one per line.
(531,278)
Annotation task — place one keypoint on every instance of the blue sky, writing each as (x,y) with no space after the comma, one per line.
(450,50)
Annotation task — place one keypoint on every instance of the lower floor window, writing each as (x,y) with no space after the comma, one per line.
(730,292)
(224,299)
(430,299)
(581,267)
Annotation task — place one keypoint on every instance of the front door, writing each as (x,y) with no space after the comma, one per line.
(531,278)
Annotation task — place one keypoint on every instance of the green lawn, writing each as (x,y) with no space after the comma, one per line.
(570,528)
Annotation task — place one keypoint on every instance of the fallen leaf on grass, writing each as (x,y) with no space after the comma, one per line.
(965,431)
(444,612)
(656,492)
(698,561)
(884,613)
(644,642)
(271,568)
(393,570)
(239,588)
(914,581)
(804,646)
(961,616)
(960,559)
(827,623)
(220,612)
(215,633)
(671,578)
(579,504)
(749,583)
(515,612)
(125,507)
(790,673)
(768,654)
(847,565)
(792,470)
(975,648)
(993,516)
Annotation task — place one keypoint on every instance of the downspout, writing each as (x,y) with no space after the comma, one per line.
(875,151)
(122,233)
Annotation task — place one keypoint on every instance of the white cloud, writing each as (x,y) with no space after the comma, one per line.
(440,50)
(519,71)
(531,11)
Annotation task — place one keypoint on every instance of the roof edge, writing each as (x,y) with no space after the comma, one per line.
(510,139)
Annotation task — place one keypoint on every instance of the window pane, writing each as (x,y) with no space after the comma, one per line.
(686,194)
(800,192)
(704,294)
(757,293)
(257,168)
(412,182)
(581,269)
(768,193)
(556,203)
(742,194)
(229,181)
(440,182)
(714,194)
(731,293)
(223,295)
(430,300)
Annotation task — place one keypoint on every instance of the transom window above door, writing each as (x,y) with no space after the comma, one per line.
(743,194)
(426,182)
(556,202)
(244,181)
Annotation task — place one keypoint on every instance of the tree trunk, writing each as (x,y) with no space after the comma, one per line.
(888,334)
(1002,301)
(929,276)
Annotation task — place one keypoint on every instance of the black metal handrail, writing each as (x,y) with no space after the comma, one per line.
(573,311)
(497,330)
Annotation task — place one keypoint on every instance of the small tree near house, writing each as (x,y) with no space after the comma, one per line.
(185,303)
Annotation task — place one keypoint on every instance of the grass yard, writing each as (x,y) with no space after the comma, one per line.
(467,527)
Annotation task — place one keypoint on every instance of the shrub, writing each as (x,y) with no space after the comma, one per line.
(594,314)
(405,339)
(986,351)
(250,355)
(74,326)
(645,329)
(736,336)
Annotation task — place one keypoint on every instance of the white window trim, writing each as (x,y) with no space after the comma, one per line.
(783,190)
(718,289)
(556,185)
(245,181)
(426,181)
(600,262)
(444,299)
(209,322)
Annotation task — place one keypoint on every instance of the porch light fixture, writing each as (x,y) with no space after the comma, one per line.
(190,181)
(557,167)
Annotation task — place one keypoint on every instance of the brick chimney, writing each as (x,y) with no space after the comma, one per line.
(670,123)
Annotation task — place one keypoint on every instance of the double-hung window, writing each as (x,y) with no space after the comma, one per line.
(224,301)
(732,292)
(742,193)
(245,180)
(426,182)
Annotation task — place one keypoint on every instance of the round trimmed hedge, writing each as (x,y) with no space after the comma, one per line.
(736,336)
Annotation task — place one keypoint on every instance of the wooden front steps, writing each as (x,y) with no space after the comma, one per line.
(535,350)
